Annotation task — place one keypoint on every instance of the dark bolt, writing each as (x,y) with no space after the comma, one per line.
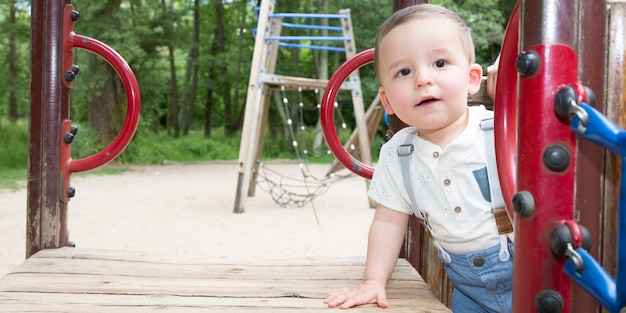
(74,130)
(561,235)
(69,76)
(556,158)
(559,238)
(68,138)
(563,101)
(591,96)
(74,15)
(524,203)
(549,301)
(527,63)
(71,192)
(75,69)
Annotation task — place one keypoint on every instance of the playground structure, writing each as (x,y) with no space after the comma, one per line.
(535,143)
(564,50)
(264,81)
(58,277)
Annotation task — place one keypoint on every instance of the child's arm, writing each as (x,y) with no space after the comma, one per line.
(385,240)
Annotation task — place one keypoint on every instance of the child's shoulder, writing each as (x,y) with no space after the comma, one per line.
(480,112)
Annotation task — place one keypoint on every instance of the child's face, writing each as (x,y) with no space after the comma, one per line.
(425,74)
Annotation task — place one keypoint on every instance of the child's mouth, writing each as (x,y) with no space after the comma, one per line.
(426,101)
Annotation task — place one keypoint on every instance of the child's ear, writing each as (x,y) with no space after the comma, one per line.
(475,78)
(385,101)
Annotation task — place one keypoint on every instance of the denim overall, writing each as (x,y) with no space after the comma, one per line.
(482,279)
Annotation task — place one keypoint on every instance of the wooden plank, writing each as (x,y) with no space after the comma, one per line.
(83,280)
(616,111)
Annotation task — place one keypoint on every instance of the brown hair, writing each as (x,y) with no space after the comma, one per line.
(424,11)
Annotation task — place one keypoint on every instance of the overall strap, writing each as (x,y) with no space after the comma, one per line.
(503,221)
(404,153)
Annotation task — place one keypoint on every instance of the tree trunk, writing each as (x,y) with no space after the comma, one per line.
(233,122)
(172,111)
(12,66)
(107,109)
(222,79)
(189,95)
(218,50)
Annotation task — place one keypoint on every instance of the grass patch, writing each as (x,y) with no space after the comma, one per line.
(148,148)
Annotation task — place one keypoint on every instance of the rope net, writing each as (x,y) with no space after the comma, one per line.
(300,186)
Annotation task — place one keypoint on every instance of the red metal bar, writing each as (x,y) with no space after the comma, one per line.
(131,121)
(548,28)
(552,192)
(328,116)
(505,110)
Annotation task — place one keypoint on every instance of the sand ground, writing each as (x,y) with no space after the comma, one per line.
(187,210)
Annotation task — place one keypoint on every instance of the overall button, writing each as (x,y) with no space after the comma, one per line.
(479,261)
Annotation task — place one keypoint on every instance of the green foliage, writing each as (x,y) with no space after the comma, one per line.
(147,147)
(13,144)
(141,30)
(13,152)
(486,23)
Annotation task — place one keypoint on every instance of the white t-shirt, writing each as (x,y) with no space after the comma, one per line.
(450,185)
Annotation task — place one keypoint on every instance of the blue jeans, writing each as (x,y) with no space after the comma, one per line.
(482,282)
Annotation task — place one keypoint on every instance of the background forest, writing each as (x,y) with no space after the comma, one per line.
(192,61)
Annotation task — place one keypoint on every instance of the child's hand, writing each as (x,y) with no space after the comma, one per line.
(368,292)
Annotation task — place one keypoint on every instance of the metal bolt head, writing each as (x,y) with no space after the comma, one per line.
(74,15)
(71,192)
(556,158)
(68,138)
(69,76)
(524,203)
(549,301)
(527,63)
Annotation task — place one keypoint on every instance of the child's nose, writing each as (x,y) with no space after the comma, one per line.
(423,78)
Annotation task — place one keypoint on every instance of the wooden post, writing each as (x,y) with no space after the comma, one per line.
(253,112)
(591,47)
(49,104)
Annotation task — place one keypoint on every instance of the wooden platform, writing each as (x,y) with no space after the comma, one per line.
(80,280)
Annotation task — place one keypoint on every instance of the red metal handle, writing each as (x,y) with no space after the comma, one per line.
(131,121)
(328,117)
(505,111)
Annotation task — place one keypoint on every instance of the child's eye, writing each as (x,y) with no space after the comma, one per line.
(440,63)
(403,72)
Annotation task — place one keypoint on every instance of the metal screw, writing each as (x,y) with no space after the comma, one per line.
(71,192)
(68,138)
(69,76)
(524,203)
(74,15)
(527,63)
(556,158)
(549,301)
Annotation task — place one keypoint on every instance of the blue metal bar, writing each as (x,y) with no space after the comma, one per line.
(308,15)
(311,26)
(594,280)
(320,38)
(597,128)
(314,47)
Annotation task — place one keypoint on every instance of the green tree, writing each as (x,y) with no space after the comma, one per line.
(14,20)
